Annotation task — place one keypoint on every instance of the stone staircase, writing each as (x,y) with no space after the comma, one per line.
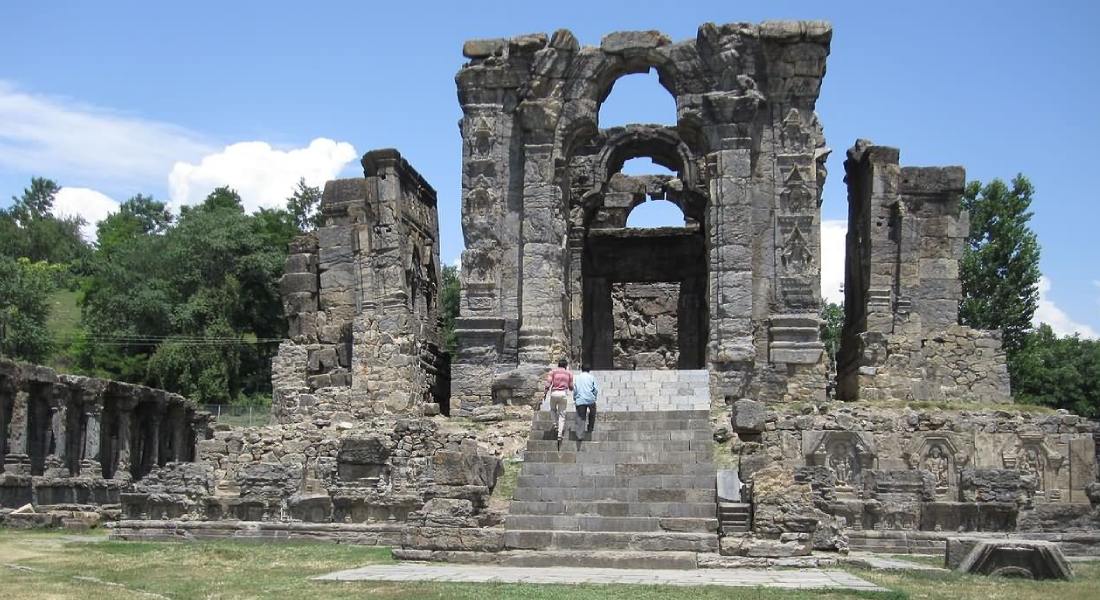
(734,517)
(645,480)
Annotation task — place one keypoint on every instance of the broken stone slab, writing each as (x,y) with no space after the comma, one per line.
(26,509)
(1030,559)
(729,486)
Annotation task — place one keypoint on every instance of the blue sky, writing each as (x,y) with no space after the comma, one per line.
(173,98)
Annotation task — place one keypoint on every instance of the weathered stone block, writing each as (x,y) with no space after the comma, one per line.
(748,416)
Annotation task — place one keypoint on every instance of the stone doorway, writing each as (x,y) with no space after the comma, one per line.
(644,297)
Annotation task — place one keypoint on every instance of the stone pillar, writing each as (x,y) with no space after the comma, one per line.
(124,466)
(178,423)
(152,449)
(16,461)
(543,255)
(91,464)
(57,464)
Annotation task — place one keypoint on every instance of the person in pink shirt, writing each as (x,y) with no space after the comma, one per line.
(559,386)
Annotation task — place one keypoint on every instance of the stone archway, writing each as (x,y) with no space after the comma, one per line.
(638,295)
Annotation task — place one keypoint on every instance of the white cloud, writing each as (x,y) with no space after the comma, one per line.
(66,140)
(1049,313)
(86,203)
(262,175)
(832,259)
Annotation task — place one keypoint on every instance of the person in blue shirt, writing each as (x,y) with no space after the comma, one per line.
(585,392)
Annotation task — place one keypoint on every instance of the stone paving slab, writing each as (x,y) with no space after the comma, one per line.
(792,579)
(887,563)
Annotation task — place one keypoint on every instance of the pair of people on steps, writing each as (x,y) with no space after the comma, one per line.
(560,384)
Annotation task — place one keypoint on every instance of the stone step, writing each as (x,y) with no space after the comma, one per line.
(694,463)
(549,433)
(593,559)
(654,457)
(606,447)
(611,524)
(610,508)
(606,540)
(735,517)
(590,479)
(671,418)
(563,494)
(585,475)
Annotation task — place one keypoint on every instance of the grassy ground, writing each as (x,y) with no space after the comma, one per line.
(59,566)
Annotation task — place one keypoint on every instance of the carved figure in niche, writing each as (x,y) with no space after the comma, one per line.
(481,142)
(939,465)
(796,195)
(842,459)
(796,252)
(1030,463)
(793,134)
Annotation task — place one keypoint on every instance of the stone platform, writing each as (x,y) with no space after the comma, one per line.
(412,572)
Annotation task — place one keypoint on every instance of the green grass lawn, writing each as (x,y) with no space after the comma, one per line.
(64,319)
(52,565)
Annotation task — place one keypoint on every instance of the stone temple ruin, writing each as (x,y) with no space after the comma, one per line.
(717,434)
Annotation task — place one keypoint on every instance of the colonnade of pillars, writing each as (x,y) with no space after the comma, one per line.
(66,426)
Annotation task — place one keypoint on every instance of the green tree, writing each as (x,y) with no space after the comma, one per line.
(1000,265)
(25,288)
(192,304)
(138,216)
(29,229)
(832,317)
(303,206)
(1058,372)
(448,303)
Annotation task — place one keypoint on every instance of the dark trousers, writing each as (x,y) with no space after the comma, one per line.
(586,414)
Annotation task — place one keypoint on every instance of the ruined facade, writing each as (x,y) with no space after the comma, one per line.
(362,297)
(75,441)
(544,204)
(901,337)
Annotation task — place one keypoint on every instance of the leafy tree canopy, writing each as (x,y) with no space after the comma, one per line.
(29,229)
(303,206)
(188,304)
(448,299)
(1000,266)
(25,289)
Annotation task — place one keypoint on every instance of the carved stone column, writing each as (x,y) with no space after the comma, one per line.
(179,433)
(91,464)
(16,461)
(57,464)
(124,468)
(152,449)
(542,306)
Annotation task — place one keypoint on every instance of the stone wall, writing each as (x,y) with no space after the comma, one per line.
(384,469)
(880,468)
(901,340)
(78,441)
(362,297)
(645,317)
